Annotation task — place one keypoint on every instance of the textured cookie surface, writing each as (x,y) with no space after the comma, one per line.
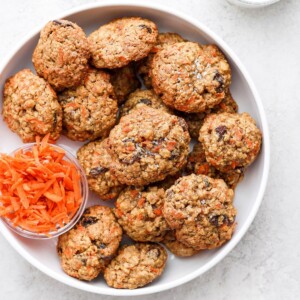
(190,77)
(86,249)
(176,247)
(198,164)
(139,212)
(230,141)
(147,145)
(96,162)
(195,120)
(135,266)
(124,81)
(144,65)
(90,109)
(61,55)
(30,107)
(143,97)
(121,41)
(200,210)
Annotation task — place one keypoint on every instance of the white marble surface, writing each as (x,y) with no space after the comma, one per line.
(266,263)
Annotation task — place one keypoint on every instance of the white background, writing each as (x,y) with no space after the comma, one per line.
(266,263)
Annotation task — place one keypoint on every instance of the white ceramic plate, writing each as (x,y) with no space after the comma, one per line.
(42,254)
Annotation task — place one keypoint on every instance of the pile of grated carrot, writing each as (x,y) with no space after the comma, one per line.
(39,189)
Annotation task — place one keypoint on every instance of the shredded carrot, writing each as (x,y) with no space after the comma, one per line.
(39,190)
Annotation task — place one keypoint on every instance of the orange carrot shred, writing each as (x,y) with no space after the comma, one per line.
(40,190)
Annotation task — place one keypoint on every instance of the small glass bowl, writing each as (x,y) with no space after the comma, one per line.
(84,193)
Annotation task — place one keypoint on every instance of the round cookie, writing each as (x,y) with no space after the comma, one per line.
(147,145)
(139,212)
(136,265)
(144,65)
(201,211)
(116,44)
(86,249)
(198,165)
(89,110)
(61,55)
(230,141)
(124,81)
(30,107)
(190,77)
(96,161)
(143,97)
(176,247)
(195,120)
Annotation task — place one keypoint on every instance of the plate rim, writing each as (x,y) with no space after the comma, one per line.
(265,151)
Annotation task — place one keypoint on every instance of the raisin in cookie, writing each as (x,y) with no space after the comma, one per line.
(201,212)
(139,212)
(190,77)
(61,55)
(147,145)
(230,141)
(30,107)
(121,41)
(96,161)
(135,266)
(86,249)
(89,110)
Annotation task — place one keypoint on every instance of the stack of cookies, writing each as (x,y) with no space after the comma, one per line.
(138,150)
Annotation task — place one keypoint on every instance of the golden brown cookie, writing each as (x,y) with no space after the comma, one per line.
(190,77)
(86,249)
(116,44)
(139,212)
(230,141)
(200,210)
(96,162)
(30,107)
(89,110)
(147,145)
(61,55)
(136,265)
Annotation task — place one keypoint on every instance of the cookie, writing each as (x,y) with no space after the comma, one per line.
(139,212)
(135,266)
(144,65)
(230,141)
(198,165)
(201,212)
(96,161)
(116,44)
(190,77)
(61,55)
(30,107)
(124,81)
(176,247)
(89,110)
(195,120)
(86,249)
(143,97)
(147,145)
